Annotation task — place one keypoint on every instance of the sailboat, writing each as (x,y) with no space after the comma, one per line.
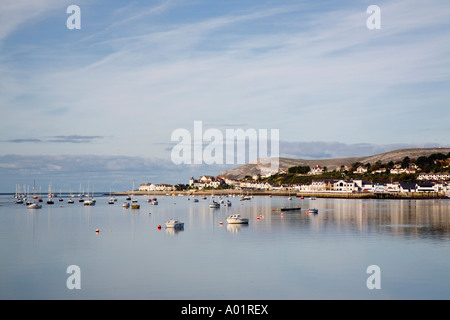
(50,201)
(89,201)
(134,204)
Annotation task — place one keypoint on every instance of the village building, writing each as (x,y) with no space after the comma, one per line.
(316,170)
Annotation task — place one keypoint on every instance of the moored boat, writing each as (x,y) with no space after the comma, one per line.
(35,205)
(89,202)
(173,223)
(237,219)
(312,211)
(214,204)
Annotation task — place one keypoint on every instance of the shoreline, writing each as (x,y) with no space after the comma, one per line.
(318,194)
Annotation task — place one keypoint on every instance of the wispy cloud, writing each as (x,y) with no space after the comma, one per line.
(58,139)
(104,172)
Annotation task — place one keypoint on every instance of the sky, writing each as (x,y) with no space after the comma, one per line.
(99,104)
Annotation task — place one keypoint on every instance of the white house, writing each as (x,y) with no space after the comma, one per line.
(206,181)
(360,170)
(434,176)
(402,170)
(316,170)
(156,187)
(344,185)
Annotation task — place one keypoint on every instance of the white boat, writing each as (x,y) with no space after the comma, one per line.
(236,219)
(126,205)
(310,211)
(89,202)
(70,200)
(155,202)
(35,205)
(214,204)
(173,223)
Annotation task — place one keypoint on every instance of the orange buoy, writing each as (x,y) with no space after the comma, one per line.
(221,223)
(159,226)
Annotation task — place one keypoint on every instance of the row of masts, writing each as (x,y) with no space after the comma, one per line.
(23,194)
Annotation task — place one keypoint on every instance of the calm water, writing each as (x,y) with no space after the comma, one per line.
(289,256)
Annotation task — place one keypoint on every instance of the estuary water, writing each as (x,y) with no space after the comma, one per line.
(280,255)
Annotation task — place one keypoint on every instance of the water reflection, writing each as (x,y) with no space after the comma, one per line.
(236,228)
(174,231)
(413,218)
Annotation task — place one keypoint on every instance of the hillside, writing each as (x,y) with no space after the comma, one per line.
(395,155)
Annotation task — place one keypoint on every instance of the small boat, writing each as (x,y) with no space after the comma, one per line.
(195,200)
(35,205)
(173,223)
(237,219)
(214,204)
(126,205)
(312,211)
(154,202)
(80,200)
(70,201)
(50,201)
(228,204)
(291,209)
(89,202)
(135,206)
(111,201)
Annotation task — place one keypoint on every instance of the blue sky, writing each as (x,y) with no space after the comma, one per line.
(137,70)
